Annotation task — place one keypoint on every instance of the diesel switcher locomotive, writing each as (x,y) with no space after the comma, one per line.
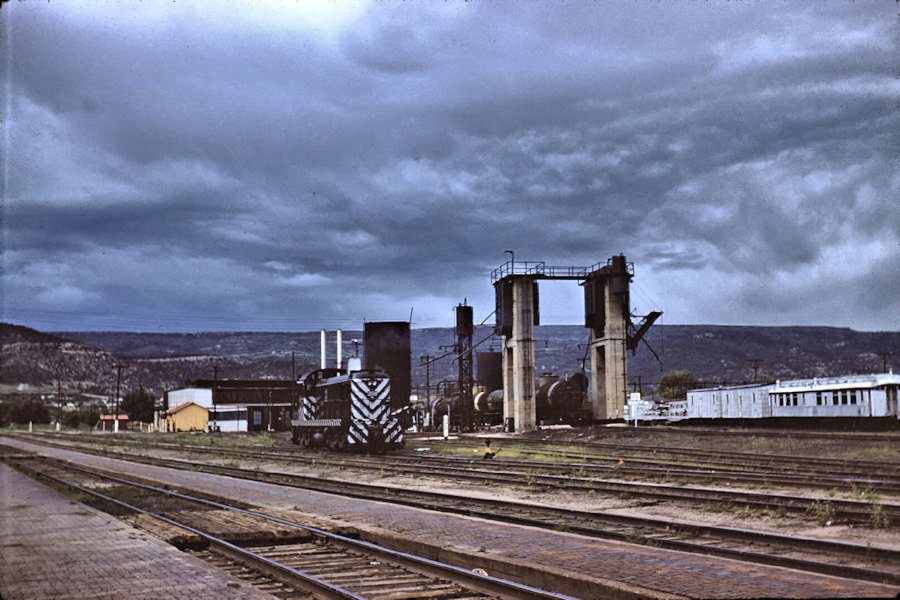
(343,410)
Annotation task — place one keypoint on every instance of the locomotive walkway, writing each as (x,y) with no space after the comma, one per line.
(594,568)
(52,547)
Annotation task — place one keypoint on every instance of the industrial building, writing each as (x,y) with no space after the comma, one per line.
(241,404)
(866,396)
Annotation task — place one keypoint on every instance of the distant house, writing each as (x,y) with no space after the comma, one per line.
(187,416)
(108,422)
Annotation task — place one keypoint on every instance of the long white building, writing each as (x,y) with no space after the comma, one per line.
(873,395)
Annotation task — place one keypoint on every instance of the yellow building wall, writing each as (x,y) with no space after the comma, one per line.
(190,418)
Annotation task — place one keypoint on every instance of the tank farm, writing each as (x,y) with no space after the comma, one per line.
(353,480)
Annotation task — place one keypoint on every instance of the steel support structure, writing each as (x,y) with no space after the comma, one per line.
(464,331)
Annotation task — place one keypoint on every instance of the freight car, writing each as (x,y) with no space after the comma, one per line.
(557,400)
(343,410)
(562,400)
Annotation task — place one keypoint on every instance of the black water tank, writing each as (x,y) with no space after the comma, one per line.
(386,347)
(489,370)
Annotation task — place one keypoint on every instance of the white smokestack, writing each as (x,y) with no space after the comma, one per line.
(338,348)
(322,345)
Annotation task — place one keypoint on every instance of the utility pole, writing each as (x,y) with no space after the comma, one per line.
(884,356)
(58,404)
(755,363)
(118,369)
(293,382)
(426,358)
(215,385)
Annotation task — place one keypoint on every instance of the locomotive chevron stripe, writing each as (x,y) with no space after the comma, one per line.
(308,408)
(372,391)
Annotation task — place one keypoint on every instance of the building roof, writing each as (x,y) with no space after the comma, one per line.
(240,384)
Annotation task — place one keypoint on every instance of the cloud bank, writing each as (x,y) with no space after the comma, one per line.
(291,166)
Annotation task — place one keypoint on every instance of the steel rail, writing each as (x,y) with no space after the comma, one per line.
(714,539)
(849,480)
(853,510)
(754,459)
(470,579)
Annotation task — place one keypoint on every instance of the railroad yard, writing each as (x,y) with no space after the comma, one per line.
(586,513)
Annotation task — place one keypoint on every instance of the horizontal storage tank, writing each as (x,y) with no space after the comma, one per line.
(489,402)
(560,398)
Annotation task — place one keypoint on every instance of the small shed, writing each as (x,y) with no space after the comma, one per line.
(187,416)
(108,422)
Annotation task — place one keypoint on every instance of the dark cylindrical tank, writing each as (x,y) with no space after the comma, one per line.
(560,399)
(387,348)
(489,402)
(489,370)
(443,404)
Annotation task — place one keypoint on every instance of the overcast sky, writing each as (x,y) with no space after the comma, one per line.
(186,166)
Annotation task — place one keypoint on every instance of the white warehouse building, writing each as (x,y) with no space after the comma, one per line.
(873,395)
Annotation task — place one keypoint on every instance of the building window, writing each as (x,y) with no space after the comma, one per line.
(795,398)
(819,398)
(834,398)
(844,397)
(852,396)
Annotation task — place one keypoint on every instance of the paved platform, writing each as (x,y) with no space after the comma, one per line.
(613,566)
(52,547)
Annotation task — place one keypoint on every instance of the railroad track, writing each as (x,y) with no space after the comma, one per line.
(620,466)
(857,561)
(675,430)
(483,472)
(319,564)
(696,458)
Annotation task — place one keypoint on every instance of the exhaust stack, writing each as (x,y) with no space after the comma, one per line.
(338,348)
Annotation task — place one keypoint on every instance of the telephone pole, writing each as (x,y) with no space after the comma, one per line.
(118,369)
(215,385)
(884,357)
(426,360)
(754,362)
(58,404)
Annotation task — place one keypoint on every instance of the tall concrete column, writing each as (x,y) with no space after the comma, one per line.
(518,359)
(609,338)
(508,362)
(608,377)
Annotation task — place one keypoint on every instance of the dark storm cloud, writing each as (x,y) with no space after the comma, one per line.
(300,167)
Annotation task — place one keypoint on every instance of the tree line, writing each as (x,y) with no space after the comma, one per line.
(20,409)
